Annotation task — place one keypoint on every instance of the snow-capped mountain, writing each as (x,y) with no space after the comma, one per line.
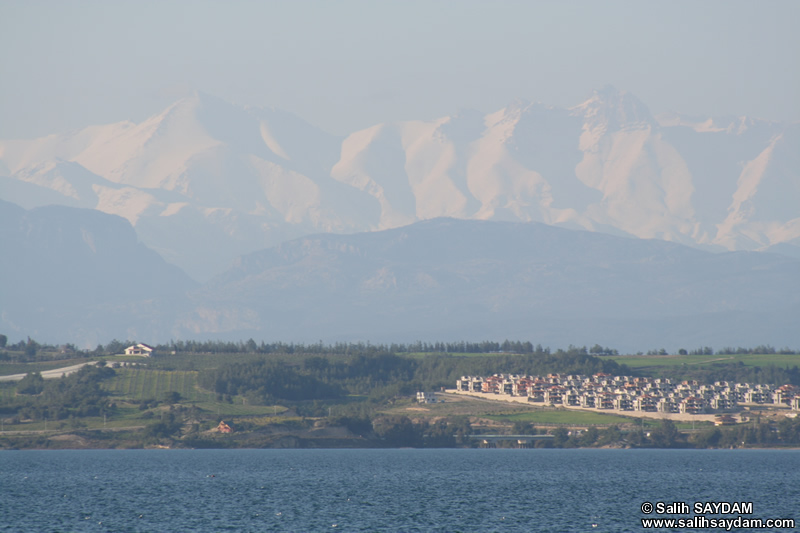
(206,181)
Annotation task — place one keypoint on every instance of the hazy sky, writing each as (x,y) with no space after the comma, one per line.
(351,64)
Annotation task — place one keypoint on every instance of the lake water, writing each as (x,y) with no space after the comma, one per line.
(381,490)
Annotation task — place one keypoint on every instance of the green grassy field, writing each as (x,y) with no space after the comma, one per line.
(7,391)
(587,418)
(139,383)
(117,421)
(224,409)
(203,361)
(654,361)
(562,416)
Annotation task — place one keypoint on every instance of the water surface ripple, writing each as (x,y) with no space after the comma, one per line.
(380,490)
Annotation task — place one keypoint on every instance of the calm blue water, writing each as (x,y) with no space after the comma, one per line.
(380,490)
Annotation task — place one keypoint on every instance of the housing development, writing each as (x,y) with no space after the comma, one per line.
(626,393)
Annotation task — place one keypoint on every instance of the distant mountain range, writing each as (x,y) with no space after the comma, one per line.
(454,279)
(78,275)
(205,181)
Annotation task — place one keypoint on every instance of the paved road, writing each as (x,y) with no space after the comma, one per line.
(49,374)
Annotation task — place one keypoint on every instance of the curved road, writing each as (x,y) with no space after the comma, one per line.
(50,374)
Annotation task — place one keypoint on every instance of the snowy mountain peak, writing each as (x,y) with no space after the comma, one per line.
(613,109)
(206,174)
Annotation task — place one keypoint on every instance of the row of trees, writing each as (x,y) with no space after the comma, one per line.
(785,432)
(708,350)
(264,381)
(340,348)
(401,431)
(346,348)
(396,431)
(482,347)
(760,349)
(30,348)
(27,348)
(736,372)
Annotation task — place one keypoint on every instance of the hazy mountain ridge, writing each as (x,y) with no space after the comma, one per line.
(77,274)
(205,175)
(81,276)
(487,279)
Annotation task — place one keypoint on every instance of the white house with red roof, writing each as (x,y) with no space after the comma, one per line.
(142,350)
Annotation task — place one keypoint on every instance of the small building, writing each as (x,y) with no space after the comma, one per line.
(426,397)
(784,395)
(604,400)
(666,405)
(722,402)
(753,396)
(623,403)
(692,405)
(535,394)
(554,395)
(646,403)
(587,399)
(224,428)
(571,397)
(724,420)
(142,350)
